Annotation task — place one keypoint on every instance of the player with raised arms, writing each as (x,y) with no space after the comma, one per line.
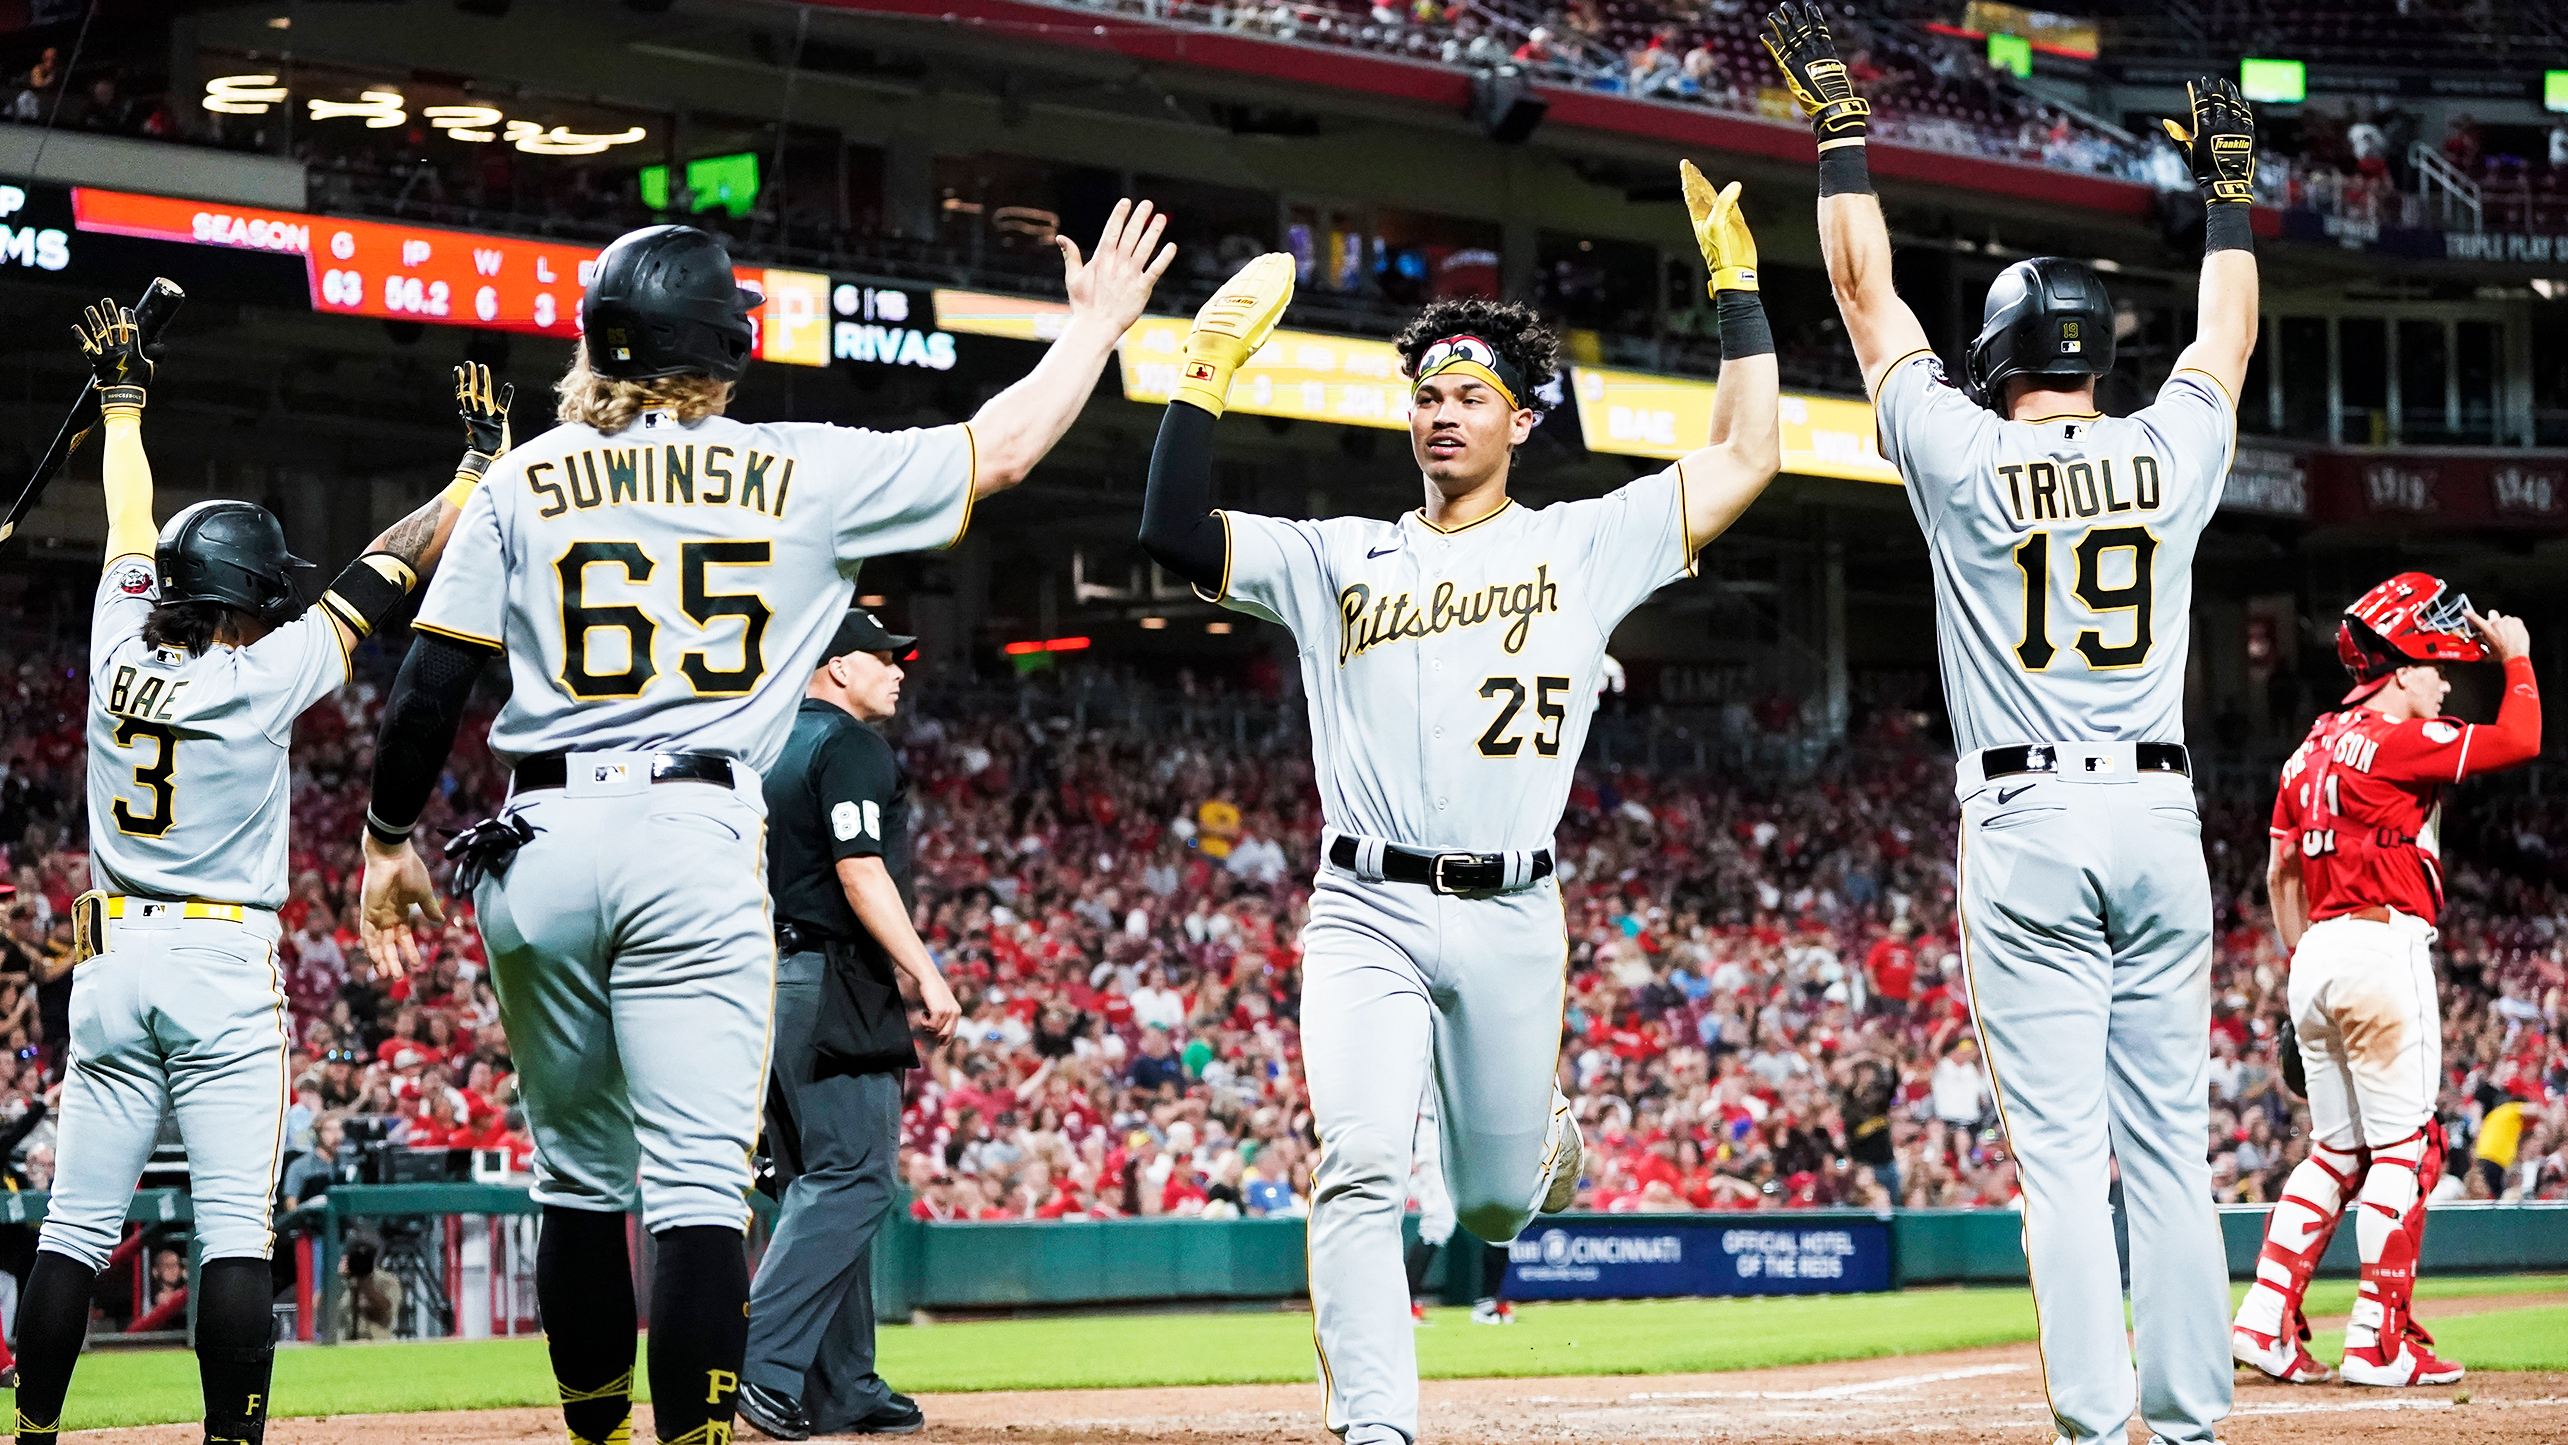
(2062,543)
(1451,658)
(2356,882)
(199,663)
(662,580)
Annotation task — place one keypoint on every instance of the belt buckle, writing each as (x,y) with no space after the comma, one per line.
(1436,871)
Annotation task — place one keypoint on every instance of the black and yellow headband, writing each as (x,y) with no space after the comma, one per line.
(1477,359)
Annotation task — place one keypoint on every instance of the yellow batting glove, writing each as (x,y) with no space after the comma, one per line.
(1231,327)
(1728,247)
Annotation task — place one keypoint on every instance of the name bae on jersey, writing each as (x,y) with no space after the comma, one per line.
(1370,623)
(612,476)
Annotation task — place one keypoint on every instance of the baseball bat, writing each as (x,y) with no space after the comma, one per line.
(160,302)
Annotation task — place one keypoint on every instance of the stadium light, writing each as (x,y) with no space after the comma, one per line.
(242,94)
(1154,624)
(1055,644)
(872,599)
(379,109)
(1218,629)
(535,140)
(2280,82)
(464,122)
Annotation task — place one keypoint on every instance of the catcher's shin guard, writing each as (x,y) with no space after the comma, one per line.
(2388,1228)
(2297,1236)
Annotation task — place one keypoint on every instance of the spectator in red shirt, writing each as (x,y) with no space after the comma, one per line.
(1892,968)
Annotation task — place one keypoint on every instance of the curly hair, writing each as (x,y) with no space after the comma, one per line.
(611,406)
(1519,336)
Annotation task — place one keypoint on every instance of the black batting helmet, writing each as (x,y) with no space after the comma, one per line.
(232,553)
(661,301)
(2045,317)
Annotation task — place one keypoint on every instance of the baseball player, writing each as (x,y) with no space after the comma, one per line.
(2063,545)
(200,661)
(662,580)
(1451,659)
(2356,884)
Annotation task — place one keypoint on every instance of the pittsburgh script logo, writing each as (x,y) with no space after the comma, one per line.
(1370,624)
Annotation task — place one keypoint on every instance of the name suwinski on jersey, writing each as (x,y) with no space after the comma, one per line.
(613,476)
(1368,623)
(2057,491)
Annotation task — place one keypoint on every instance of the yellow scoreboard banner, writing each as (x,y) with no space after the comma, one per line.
(983,313)
(1642,414)
(1350,380)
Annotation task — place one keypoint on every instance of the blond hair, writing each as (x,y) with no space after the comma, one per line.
(610,405)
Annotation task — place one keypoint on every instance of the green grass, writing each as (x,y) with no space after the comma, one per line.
(1638,1337)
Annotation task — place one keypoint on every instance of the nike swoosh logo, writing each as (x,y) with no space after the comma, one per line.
(1380,552)
(2009,795)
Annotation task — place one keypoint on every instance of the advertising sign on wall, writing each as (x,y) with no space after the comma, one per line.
(1638,1257)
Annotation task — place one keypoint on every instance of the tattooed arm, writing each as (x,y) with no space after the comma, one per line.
(396,562)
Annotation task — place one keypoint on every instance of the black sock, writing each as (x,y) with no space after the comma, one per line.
(235,1347)
(699,1332)
(1421,1254)
(53,1323)
(584,1286)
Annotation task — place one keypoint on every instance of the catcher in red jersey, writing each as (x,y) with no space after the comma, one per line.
(2356,884)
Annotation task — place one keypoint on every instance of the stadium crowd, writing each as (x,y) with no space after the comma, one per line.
(1766,1000)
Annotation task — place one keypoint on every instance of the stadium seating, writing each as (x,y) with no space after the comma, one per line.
(1757,973)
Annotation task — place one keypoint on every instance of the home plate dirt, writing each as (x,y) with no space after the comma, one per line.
(1965,1395)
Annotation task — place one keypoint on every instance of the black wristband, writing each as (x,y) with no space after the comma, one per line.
(384,833)
(2225,228)
(1744,331)
(1842,172)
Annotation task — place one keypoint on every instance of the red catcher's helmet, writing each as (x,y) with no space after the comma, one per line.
(2408,621)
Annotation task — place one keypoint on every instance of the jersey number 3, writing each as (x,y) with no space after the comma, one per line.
(156,776)
(703,606)
(2033,559)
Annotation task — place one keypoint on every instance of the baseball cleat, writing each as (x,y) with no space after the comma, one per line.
(2409,1362)
(1493,1312)
(1569,1157)
(2281,1358)
(1418,1316)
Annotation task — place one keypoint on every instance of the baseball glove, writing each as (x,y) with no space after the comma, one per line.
(1797,36)
(1231,327)
(2222,141)
(1728,247)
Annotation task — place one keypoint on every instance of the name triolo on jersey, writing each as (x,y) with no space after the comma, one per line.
(612,476)
(2060,491)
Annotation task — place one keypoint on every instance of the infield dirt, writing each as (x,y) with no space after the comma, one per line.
(1939,1399)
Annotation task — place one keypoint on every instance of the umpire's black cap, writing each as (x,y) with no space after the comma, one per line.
(862,631)
(2048,316)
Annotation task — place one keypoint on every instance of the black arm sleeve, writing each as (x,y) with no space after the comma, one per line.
(419,722)
(1178,528)
(858,780)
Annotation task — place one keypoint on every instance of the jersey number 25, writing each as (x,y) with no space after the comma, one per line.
(2033,559)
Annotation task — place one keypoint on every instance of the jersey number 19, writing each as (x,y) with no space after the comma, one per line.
(2089,590)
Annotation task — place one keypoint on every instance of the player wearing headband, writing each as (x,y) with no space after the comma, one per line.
(1452,658)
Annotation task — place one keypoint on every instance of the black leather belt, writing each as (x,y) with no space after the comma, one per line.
(1443,872)
(794,938)
(552,770)
(2151,758)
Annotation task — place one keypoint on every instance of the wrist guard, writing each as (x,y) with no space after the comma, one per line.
(120,398)
(1744,329)
(368,590)
(468,475)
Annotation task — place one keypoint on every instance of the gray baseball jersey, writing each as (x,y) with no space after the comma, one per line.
(2063,552)
(672,586)
(1452,674)
(188,784)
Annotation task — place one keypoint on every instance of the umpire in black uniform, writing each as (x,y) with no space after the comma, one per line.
(838,862)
